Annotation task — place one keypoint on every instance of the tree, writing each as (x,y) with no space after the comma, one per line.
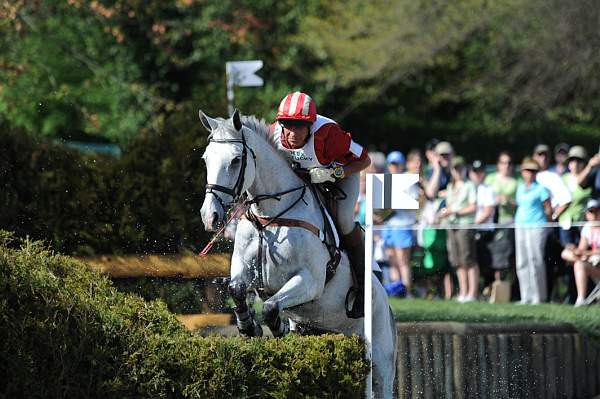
(470,66)
(65,76)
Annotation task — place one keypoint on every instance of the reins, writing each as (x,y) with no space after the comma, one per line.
(242,209)
(237,212)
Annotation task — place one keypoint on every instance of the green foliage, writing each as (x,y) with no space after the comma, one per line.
(66,332)
(475,72)
(65,76)
(147,201)
(585,319)
(115,69)
(463,70)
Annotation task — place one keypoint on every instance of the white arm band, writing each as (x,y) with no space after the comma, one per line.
(356,149)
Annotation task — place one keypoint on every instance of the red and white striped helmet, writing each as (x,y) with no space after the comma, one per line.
(297,107)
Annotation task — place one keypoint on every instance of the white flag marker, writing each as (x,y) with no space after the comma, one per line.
(241,73)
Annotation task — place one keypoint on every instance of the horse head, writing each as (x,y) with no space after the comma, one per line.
(229,170)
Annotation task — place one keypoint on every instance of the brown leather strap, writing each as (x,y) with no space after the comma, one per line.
(282,222)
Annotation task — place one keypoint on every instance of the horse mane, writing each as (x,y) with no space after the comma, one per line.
(261,128)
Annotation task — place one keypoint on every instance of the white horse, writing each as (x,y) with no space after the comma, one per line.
(287,265)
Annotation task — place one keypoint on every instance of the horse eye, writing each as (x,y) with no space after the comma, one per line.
(236,160)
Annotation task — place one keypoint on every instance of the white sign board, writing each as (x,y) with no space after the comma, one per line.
(241,73)
(390,191)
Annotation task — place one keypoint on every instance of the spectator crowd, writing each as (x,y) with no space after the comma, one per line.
(528,231)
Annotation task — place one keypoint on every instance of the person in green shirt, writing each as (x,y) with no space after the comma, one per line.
(569,235)
(461,205)
(505,187)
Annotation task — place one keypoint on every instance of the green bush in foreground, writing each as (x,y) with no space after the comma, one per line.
(66,332)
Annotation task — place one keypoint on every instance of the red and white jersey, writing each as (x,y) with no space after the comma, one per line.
(327,145)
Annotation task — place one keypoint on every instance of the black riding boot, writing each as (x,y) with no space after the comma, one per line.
(354,244)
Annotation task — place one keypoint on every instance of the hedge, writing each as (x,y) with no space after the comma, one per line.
(148,200)
(66,332)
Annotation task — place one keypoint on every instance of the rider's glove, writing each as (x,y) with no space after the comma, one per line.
(321,175)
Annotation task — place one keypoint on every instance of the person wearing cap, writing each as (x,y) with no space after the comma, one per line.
(461,205)
(318,144)
(398,236)
(533,211)
(586,256)
(561,153)
(484,216)
(396,162)
(439,178)
(577,158)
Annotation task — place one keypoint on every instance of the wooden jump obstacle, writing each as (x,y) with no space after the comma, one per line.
(168,266)
(182,266)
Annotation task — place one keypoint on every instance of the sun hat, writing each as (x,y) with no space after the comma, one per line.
(592,204)
(444,147)
(577,152)
(530,164)
(561,147)
(541,148)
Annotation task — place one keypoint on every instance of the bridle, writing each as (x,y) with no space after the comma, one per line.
(236,191)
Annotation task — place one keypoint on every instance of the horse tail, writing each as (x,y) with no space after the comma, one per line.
(394,331)
(394,341)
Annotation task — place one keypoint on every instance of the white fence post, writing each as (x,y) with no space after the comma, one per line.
(383,191)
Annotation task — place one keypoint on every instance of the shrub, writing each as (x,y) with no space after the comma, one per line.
(66,332)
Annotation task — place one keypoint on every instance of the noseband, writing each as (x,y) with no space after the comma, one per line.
(236,191)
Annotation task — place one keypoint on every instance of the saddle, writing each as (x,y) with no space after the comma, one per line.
(327,195)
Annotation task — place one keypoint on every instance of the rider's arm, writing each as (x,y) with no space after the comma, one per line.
(357,165)
(337,146)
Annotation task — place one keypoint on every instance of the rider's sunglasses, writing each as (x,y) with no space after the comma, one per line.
(290,124)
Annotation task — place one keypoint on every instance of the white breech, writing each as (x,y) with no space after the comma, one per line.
(345,208)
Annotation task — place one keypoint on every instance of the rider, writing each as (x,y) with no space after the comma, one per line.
(318,144)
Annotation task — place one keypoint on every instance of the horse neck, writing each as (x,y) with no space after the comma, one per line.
(273,175)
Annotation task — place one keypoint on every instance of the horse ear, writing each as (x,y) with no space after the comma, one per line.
(209,123)
(237,121)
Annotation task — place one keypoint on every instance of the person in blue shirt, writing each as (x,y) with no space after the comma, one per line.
(533,212)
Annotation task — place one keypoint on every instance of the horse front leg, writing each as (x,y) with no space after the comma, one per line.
(238,286)
(301,288)
(246,324)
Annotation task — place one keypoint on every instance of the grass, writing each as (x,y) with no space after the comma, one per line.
(585,319)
